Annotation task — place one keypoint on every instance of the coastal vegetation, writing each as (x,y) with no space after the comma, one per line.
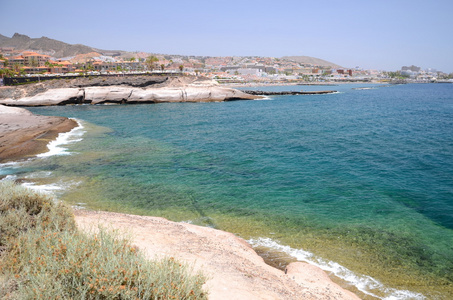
(151,61)
(44,256)
(397,75)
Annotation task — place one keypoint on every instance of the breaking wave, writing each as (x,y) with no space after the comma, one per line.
(364,283)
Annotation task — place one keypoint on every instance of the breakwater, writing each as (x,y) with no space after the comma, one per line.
(267,93)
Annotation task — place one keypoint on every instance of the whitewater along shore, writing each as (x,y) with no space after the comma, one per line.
(120,90)
(23,134)
(233,268)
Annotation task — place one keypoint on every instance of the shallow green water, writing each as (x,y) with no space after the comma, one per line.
(363,178)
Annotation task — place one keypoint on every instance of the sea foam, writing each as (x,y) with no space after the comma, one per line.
(9,177)
(53,189)
(45,188)
(55,147)
(364,283)
(7,168)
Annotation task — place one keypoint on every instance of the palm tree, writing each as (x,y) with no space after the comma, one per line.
(150,61)
(181,68)
(33,62)
(6,73)
(162,67)
(5,61)
(16,67)
(49,65)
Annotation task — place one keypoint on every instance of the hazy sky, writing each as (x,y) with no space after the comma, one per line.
(384,34)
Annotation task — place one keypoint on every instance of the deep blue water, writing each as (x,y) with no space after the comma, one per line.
(362,177)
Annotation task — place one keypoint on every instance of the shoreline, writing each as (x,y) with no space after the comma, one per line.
(24,135)
(138,90)
(249,242)
(233,268)
(112,91)
(320,84)
(250,277)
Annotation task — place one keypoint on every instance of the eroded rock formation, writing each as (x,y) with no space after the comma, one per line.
(174,90)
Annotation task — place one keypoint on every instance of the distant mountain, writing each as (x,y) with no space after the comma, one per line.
(45,45)
(311,60)
(3,38)
(58,49)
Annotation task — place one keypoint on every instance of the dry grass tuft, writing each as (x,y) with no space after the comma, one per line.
(22,209)
(46,257)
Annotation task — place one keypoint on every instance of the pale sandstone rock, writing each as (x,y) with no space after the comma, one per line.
(157,95)
(234,269)
(50,97)
(14,110)
(202,92)
(193,93)
(205,82)
(304,274)
(23,134)
(96,95)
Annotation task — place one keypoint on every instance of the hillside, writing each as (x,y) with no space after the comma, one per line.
(46,45)
(3,38)
(312,61)
(58,49)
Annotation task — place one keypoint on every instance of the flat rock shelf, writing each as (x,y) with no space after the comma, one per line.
(266,93)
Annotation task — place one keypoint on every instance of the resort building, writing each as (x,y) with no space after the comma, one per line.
(29,59)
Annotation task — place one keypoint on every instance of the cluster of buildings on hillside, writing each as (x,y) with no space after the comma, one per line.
(223,69)
(416,74)
(29,62)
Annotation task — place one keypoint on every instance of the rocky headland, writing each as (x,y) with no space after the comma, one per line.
(23,134)
(119,90)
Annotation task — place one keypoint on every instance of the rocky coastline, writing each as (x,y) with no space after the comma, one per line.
(266,93)
(23,134)
(120,90)
(234,269)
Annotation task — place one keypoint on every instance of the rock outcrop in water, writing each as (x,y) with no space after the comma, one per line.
(266,93)
(122,95)
(119,91)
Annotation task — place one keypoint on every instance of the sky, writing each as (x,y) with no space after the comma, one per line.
(370,34)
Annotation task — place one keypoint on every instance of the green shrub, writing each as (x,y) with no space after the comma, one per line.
(73,265)
(22,209)
(45,257)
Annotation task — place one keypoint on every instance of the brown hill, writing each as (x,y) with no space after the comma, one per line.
(58,49)
(83,58)
(45,45)
(3,38)
(311,61)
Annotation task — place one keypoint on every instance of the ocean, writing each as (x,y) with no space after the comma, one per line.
(359,182)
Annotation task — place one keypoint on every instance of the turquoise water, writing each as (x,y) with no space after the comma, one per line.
(362,178)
